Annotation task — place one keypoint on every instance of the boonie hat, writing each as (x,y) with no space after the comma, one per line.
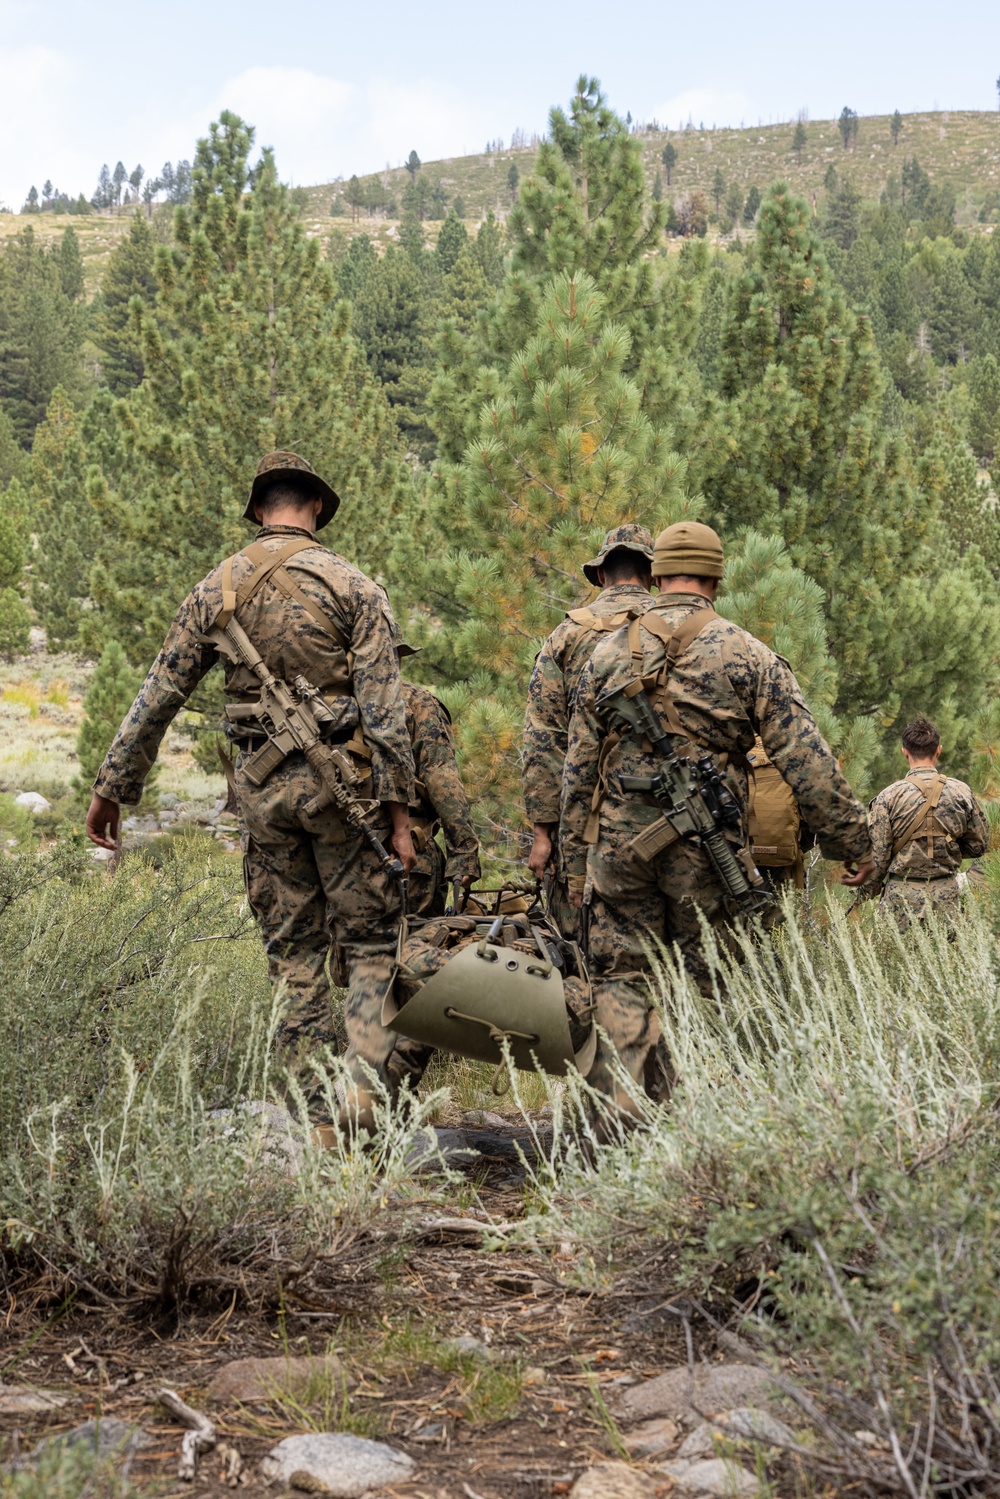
(274,467)
(688,548)
(631,538)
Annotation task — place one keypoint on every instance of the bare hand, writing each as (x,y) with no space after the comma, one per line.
(103,819)
(576,898)
(402,844)
(859,876)
(540,856)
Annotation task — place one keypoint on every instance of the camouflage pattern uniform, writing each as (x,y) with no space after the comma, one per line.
(923,872)
(552,690)
(727,687)
(307,876)
(441,802)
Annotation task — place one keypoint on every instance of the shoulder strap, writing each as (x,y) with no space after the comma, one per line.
(268,564)
(600,622)
(930,796)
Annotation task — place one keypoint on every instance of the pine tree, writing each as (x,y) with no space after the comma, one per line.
(108,698)
(70,263)
(953,316)
(842,220)
(799,139)
(513,178)
(451,240)
(896,126)
(413,164)
(802,407)
(669,158)
(751,207)
(65,528)
(13,551)
(15,624)
(490,248)
(984,417)
(718,188)
(563,452)
(13,458)
(40,333)
(246,350)
(129,274)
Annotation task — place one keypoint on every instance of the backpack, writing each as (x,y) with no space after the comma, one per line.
(773,814)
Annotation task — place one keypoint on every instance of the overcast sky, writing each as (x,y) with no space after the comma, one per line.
(338,88)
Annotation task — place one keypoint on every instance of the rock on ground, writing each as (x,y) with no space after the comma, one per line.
(613,1481)
(256,1379)
(726,1479)
(104,1436)
(23,1400)
(652,1438)
(716,1387)
(346,1466)
(34,801)
(743,1425)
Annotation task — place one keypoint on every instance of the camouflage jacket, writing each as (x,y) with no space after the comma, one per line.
(551,691)
(728,687)
(291,642)
(961,831)
(440,795)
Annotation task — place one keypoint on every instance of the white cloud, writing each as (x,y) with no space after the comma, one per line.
(39,124)
(708,106)
(298,112)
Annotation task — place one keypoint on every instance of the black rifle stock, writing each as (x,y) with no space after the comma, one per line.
(295,725)
(695,799)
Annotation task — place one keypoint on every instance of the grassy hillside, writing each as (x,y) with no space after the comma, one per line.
(960,148)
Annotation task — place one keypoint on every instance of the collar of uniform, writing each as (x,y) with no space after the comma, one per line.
(613,590)
(667,600)
(923,770)
(287,531)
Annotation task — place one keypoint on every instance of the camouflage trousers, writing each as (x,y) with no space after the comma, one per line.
(559,906)
(634,904)
(911,900)
(312,880)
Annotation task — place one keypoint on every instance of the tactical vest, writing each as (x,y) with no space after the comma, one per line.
(923,821)
(774,817)
(336,677)
(676,639)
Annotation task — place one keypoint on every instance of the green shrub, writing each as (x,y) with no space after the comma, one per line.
(15,623)
(833,1142)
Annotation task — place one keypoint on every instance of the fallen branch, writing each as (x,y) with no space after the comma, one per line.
(199,1437)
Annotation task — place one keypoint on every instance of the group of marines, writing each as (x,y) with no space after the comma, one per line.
(326,905)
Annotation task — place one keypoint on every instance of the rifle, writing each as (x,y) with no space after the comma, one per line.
(293,721)
(695,799)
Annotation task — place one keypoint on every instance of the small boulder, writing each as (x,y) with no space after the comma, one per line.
(104,1437)
(252,1380)
(24,1400)
(738,1426)
(652,1438)
(717,1476)
(342,1465)
(612,1481)
(34,801)
(715,1387)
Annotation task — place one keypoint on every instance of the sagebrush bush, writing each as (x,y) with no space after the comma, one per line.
(139,1023)
(831,1150)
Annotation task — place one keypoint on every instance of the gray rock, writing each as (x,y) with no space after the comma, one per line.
(104,1436)
(652,1438)
(481,1117)
(346,1466)
(716,1387)
(34,801)
(22,1399)
(37,642)
(262,1379)
(726,1479)
(168,799)
(469,1347)
(746,1424)
(612,1481)
(280,1136)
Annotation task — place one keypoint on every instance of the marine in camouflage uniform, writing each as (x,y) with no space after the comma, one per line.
(922,828)
(441,805)
(308,875)
(621,571)
(725,688)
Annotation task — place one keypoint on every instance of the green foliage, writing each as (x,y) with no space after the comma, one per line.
(15,623)
(65,528)
(116,331)
(109,696)
(803,416)
(451,241)
(246,350)
(40,333)
(751,207)
(800,138)
(70,263)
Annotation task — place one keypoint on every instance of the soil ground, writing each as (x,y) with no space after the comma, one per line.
(520,1426)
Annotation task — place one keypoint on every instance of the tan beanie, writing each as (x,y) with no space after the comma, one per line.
(687,548)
